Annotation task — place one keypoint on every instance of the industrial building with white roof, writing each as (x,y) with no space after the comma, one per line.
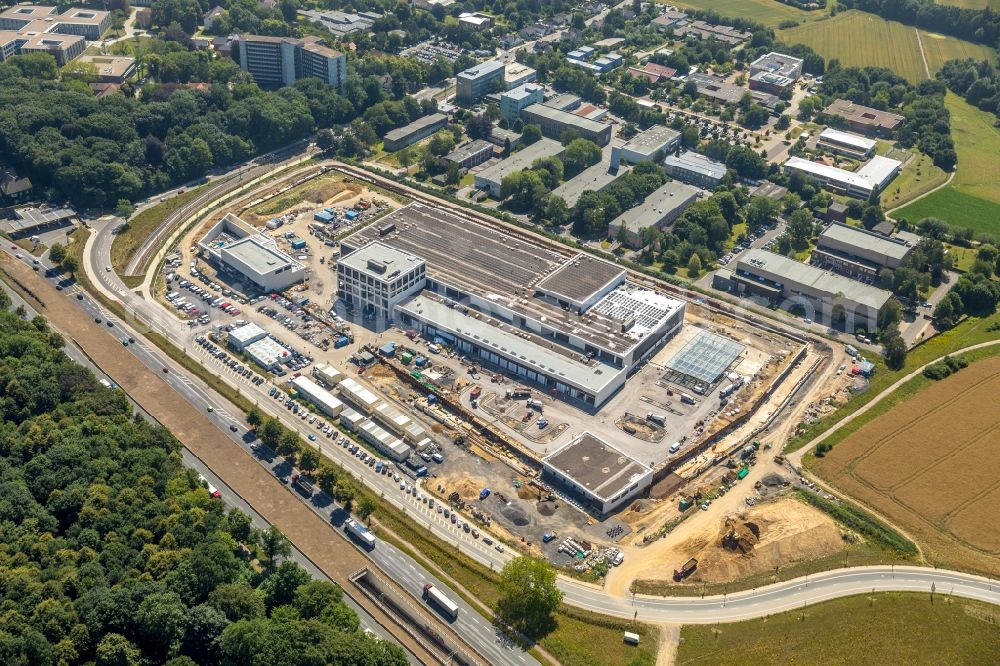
(872,177)
(574,326)
(239,249)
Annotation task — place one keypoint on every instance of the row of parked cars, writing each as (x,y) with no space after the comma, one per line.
(234,364)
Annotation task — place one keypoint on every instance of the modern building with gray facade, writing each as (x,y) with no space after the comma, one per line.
(857,252)
(376,278)
(236,248)
(473,84)
(514,101)
(650,145)
(696,169)
(280,61)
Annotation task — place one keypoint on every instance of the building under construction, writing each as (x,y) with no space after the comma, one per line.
(573,326)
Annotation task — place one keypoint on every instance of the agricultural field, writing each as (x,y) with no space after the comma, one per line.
(859,39)
(871,629)
(972,199)
(931,467)
(767,12)
(971,4)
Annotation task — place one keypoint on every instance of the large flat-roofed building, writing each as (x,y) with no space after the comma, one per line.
(874,176)
(110,69)
(325,401)
(594,178)
(472,84)
(87,23)
(280,61)
(516,75)
(770,83)
(857,252)
(777,63)
(237,248)
(268,353)
(244,336)
(658,210)
(341,23)
(845,143)
(864,119)
(514,101)
(375,278)
(722,33)
(63,48)
(470,153)
(651,145)
(791,283)
(572,326)
(724,92)
(491,177)
(695,168)
(605,477)
(554,123)
(421,128)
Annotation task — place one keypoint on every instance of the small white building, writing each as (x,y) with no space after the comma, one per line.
(319,396)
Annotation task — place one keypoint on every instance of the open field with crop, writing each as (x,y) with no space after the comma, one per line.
(859,39)
(877,629)
(931,465)
(972,198)
(767,12)
(971,4)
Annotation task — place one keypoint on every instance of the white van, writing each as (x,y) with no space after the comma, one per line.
(675,447)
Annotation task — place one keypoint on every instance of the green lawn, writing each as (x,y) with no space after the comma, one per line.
(865,629)
(971,4)
(767,12)
(973,198)
(858,38)
(918,176)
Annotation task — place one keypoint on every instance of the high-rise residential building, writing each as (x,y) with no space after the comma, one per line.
(280,61)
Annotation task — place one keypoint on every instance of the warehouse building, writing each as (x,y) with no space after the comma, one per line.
(472,84)
(864,119)
(595,178)
(651,145)
(574,327)
(857,252)
(492,176)
(789,283)
(554,123)
(874,176)
(514,101)
(658,210)
(696,169)
(356,394)
(268,353)
(237,249)
(596,472)
(845,143)
(244,336)
(324,401)
(386,443)
(421,128)
(470,153)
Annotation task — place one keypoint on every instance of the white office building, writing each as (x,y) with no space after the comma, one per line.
(377,277)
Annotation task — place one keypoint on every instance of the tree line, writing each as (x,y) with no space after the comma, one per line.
(113,554)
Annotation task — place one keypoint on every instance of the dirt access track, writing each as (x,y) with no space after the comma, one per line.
(278,505)
(931,465)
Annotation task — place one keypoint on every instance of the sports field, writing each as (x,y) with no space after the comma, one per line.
(767,12)
(866,629)
(931,466)
(973,198)
(859,39)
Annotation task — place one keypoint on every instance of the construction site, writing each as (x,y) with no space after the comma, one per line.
(569,407)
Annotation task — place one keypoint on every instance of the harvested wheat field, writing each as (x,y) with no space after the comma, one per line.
(931,466)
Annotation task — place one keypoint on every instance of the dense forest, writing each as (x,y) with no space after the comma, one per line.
(975,25)
(978,81)
(113,554)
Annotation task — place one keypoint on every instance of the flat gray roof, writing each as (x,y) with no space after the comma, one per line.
(571,119)
(594,178)
(580,278)
(816,278)
(378,255)
(671,197)
(596,465)
(415,126)
(521,160)
(864,239)
(468,150)
(30,218)
(651,140)
(698,163)
(258,256)
(592,378)
(482,69)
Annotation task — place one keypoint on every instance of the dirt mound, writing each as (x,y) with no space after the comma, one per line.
(740,536)
(773,480)
(546,508)
(515,515)
(467,487)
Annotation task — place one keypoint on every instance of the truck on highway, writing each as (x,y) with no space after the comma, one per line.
(445,606)
(686,570)
(360,532)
